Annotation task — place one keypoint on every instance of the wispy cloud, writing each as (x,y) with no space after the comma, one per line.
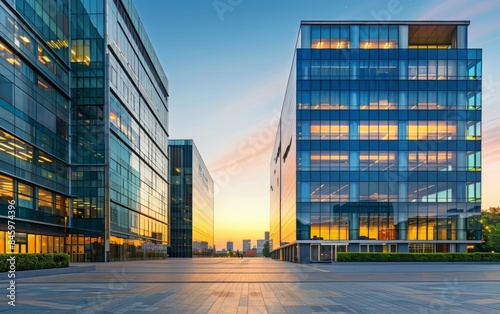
(440,10)
(248,147)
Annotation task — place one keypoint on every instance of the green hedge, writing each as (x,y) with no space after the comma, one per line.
(418,257)
(32,261)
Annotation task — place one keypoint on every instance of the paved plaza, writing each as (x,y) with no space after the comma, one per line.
(258,285)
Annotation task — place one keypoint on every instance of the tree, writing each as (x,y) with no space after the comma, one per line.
(490,221)
(265,250)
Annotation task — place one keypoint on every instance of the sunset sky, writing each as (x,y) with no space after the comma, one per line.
(228,62)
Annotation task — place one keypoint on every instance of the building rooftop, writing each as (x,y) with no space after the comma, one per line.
(392,22)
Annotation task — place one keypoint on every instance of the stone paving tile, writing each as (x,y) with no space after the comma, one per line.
(264,286)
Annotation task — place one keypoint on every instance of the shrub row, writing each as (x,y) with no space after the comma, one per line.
(418,257)
(32,261)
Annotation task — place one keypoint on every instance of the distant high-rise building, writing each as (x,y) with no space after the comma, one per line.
(378,148)
(247,245)
(83,130)
(191,202)
(266,235)
(260,247)
(229,246)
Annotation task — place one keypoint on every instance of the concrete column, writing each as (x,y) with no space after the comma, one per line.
(460,193)
(461,36)
(305,36)
(461,162)
(354,191)
(353,226)
(354,39)
(354,161)
(403,37)
(461,231)
(354,98)
(403,95)
(353,130)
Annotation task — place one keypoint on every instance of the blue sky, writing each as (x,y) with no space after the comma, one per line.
(228,62)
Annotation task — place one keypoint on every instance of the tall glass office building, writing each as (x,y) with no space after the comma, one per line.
(378,148)
(191,203)
(83,130)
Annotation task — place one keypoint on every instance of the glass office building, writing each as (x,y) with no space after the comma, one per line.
(83,130)
(378,148)
(191,203)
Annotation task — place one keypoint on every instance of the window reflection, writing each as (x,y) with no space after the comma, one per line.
(378,130)
(15,147)
(473,130)
(373,160)
(431,130)
(8,55)
(45,201)
(25,195)
(431,160)
(6,189)
(330,132)
(329,160)
(329,191)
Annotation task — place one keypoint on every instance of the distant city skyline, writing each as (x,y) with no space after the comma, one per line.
(227,74)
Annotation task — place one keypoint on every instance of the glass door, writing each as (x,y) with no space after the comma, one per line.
(315,252)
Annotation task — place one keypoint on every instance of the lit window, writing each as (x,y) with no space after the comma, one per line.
(80,51)
(42,57)
(378,130)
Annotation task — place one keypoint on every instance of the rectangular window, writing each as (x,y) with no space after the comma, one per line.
(378,130)
(431,130)
(431,160)
(329,160)
(80,51)
(473,161)
(330,131)
(45,201)
(6,190)
(25,196)
(2,241)
(473,130)
(374,160)
(31,243)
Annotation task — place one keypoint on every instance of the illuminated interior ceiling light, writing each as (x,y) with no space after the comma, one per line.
(25,154)
(46,58)
(44,158)
(73,52)
(13,61)
(42,85)
(24,39)
(62,43)
(18,146)
(367,45)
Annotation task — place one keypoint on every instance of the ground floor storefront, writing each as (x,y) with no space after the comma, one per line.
(317,251)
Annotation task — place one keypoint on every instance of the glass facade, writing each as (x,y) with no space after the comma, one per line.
(191,203)
(382,127)
(83,130)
